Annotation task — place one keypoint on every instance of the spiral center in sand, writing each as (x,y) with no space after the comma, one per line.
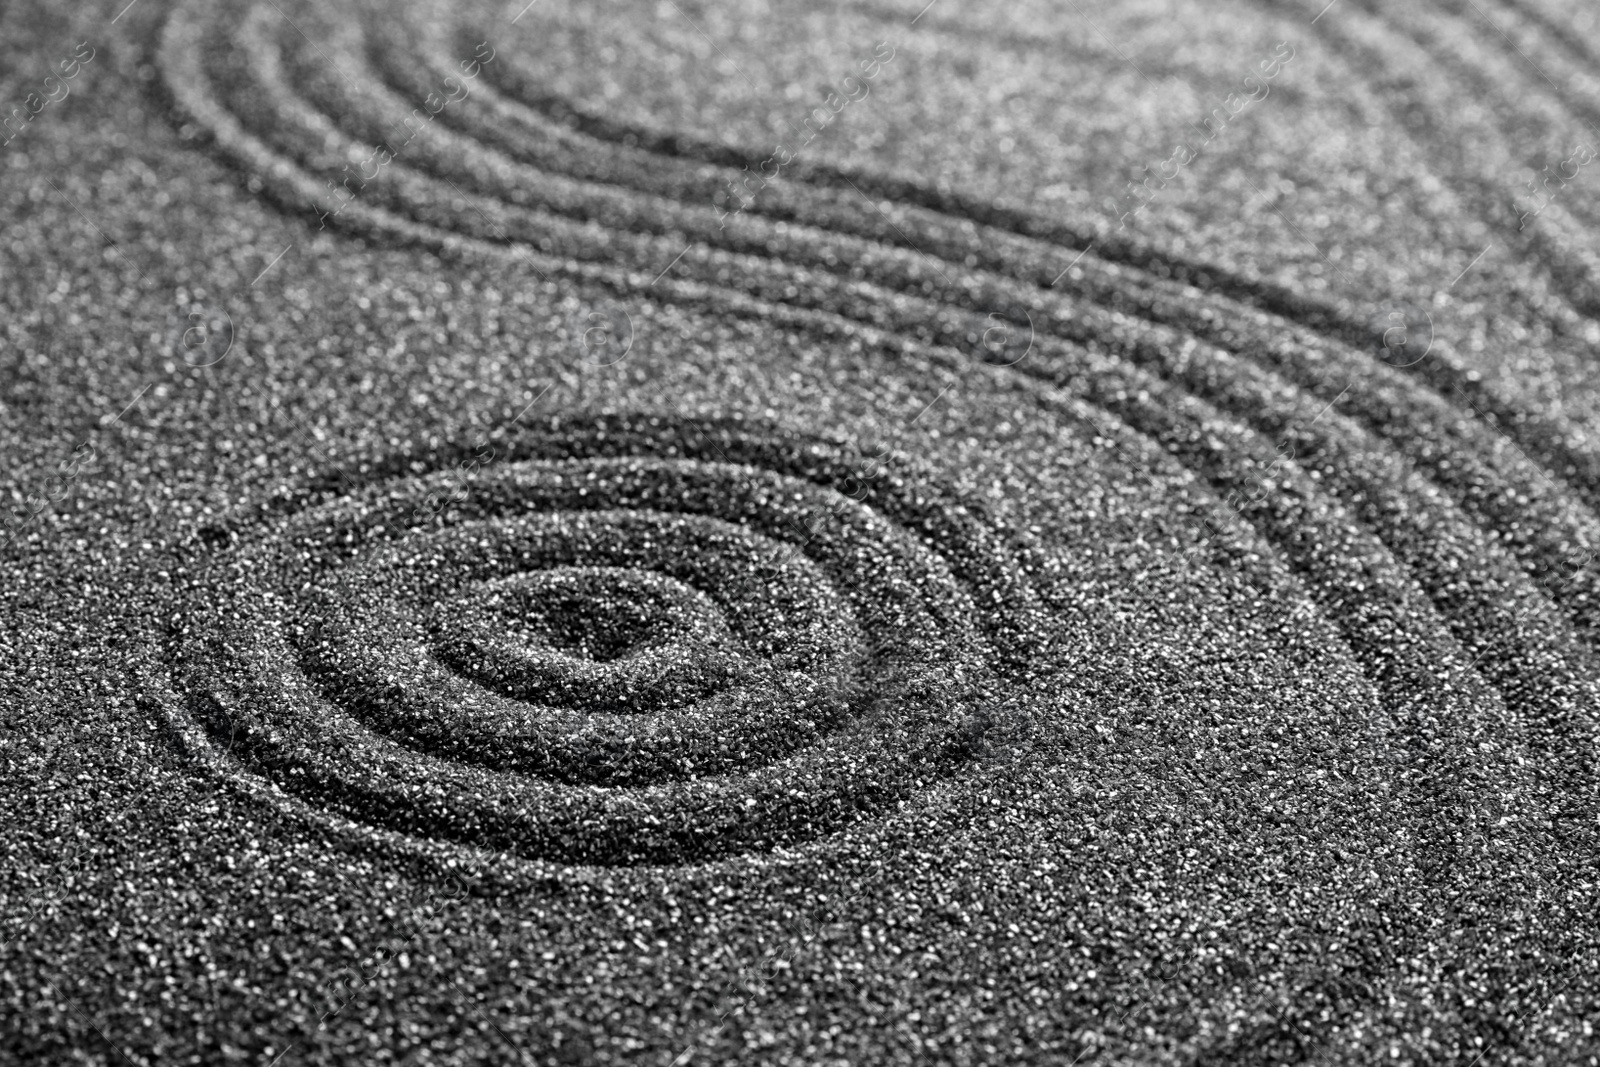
(591,638)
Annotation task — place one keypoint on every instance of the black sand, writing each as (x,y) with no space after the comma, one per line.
(631,558)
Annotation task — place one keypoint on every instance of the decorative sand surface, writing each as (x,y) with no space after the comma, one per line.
(681,532)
